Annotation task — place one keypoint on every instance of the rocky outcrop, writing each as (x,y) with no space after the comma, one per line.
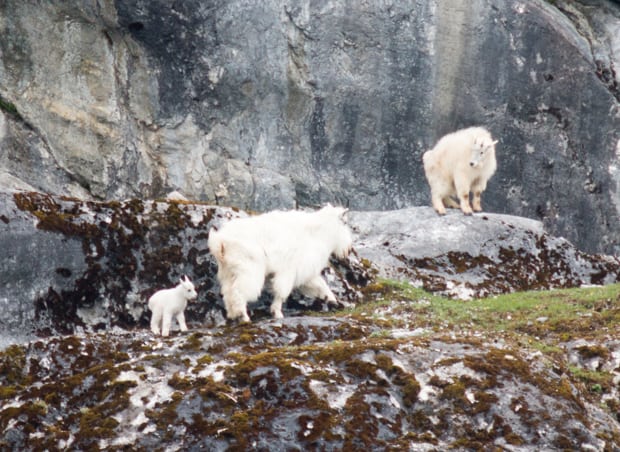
(74,265)
(390,373)
(474,256)
(288,103)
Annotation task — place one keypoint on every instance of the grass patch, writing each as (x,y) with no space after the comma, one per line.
(595,381)
(564,313)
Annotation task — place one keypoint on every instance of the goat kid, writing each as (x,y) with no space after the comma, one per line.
(168,303)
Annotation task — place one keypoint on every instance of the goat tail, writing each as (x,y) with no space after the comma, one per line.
(216,244)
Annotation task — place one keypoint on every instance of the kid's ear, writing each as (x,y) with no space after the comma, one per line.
(495,142)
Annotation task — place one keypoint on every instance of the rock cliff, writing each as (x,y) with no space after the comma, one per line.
(283,103)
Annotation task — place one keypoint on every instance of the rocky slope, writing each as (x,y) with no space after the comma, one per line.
(393,368)
(286,103)
(387,378)
(282,103)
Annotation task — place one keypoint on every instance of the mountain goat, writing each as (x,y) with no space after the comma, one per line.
(290,248)
(167,303)
(460,162)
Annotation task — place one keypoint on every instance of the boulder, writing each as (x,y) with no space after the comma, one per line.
(474,256)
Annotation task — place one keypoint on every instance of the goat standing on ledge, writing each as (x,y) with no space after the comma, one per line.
(460,162)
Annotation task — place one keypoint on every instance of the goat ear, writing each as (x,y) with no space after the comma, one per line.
(494,142)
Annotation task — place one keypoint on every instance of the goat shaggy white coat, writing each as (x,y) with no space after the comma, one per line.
(290,248)
(168,303)
(461,162)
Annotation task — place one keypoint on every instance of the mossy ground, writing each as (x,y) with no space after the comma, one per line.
(401,368)
(562,313)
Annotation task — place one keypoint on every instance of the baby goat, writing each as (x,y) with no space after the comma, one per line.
(167,303)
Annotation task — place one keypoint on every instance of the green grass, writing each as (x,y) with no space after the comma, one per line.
(564,313)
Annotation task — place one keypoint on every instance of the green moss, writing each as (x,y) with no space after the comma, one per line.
(595,381)
(193,342)
(284,364)
(322,424)
(245,338)
(205,360)
(421,421)
(593,351)
(180,383)
(384,362)
(454,391)
(361,426)
(6,392)
(93,425)
(564,389)
(209,389)
(12,365)
(52,217)
(165,415)
(10,108)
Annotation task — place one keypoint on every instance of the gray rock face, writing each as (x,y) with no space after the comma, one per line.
(284,103)
(474,256)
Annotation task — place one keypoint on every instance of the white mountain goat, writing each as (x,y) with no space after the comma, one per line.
(290,248)
(167,303)
(460,162)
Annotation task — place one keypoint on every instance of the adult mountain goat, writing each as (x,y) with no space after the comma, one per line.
(290,248)
(461,162)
